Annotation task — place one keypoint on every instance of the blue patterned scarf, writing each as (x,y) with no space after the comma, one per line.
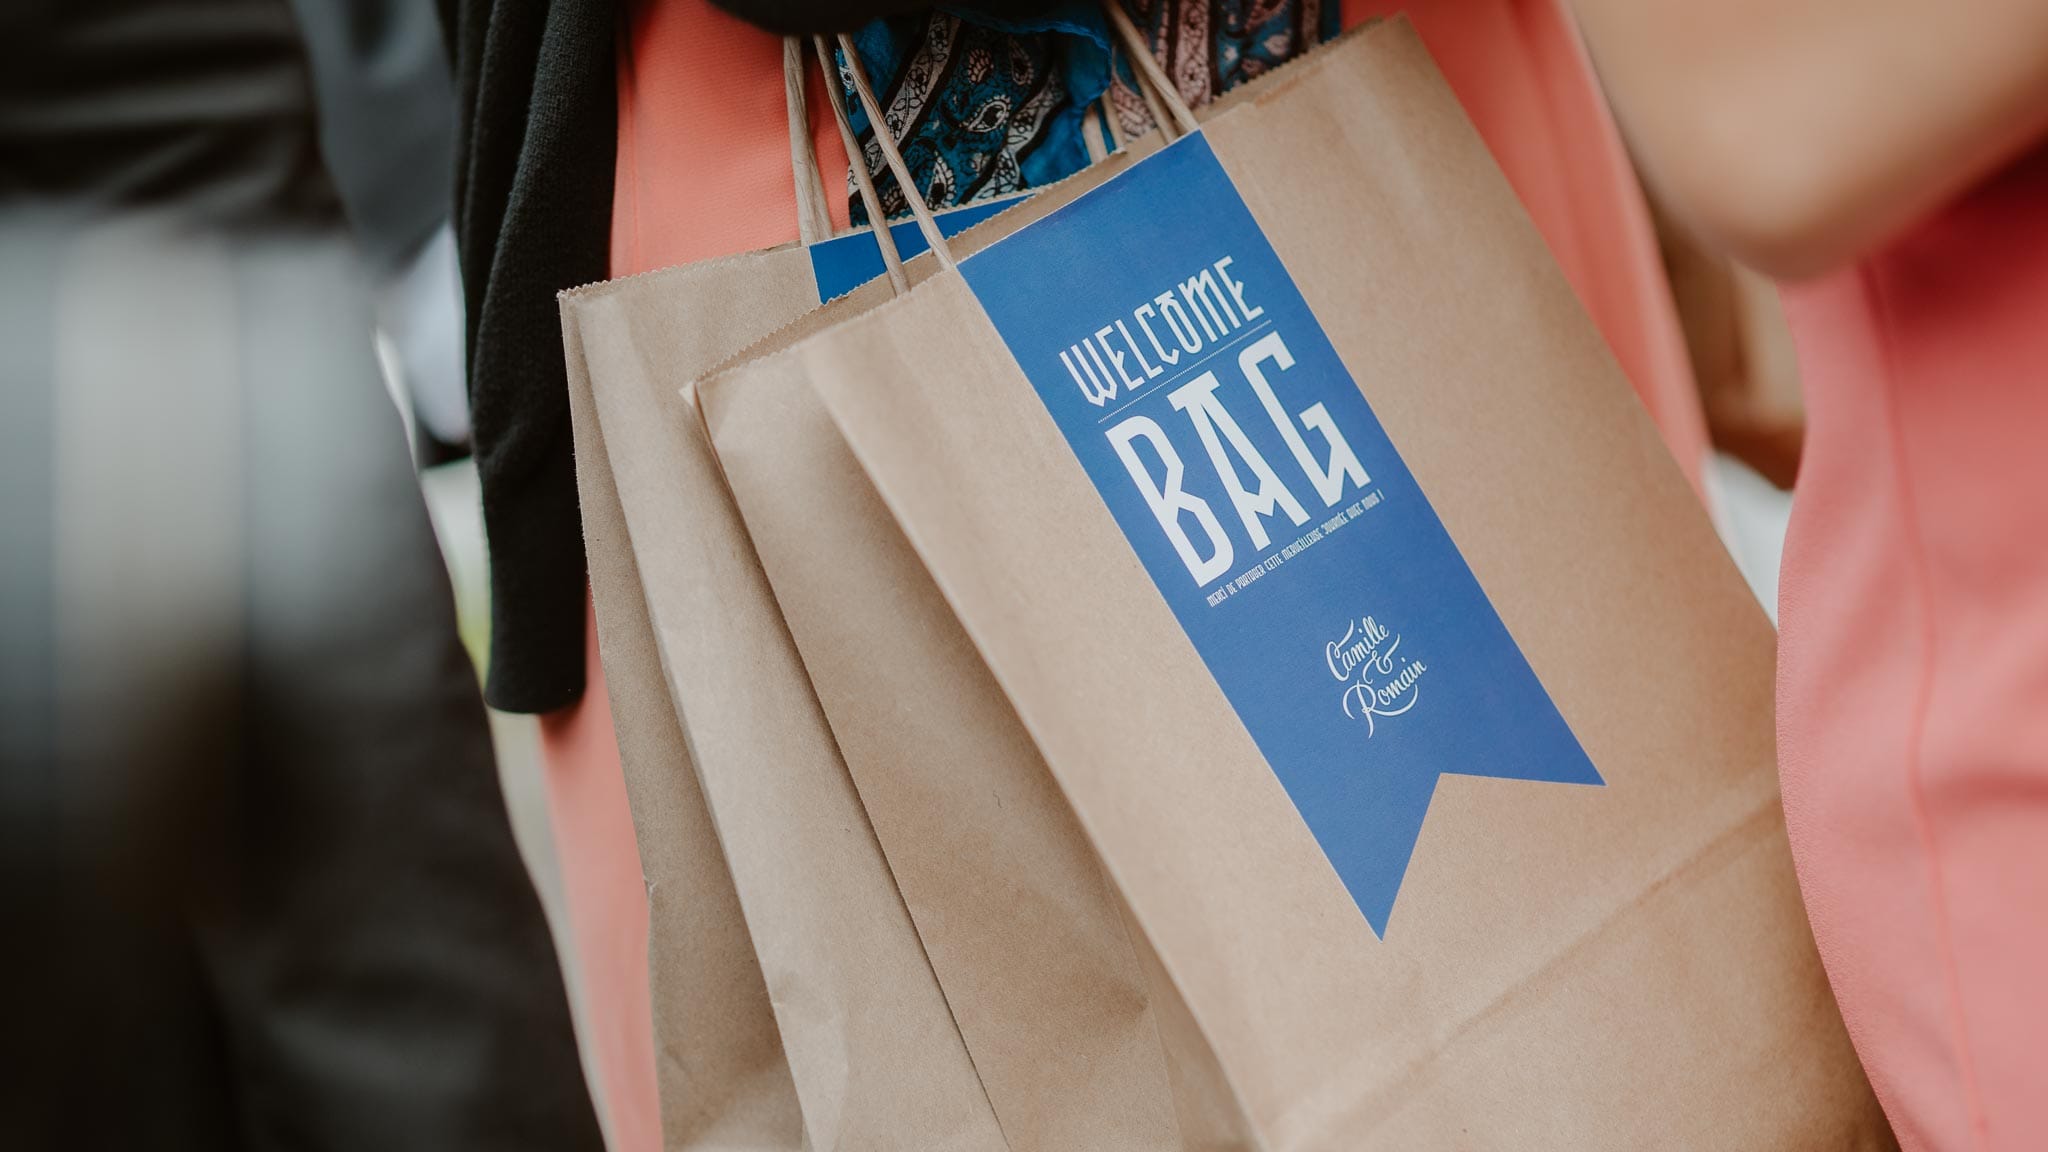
(983,108)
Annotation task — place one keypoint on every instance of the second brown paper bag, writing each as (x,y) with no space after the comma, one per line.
(722,1080)
(792,1005)
(871,1047)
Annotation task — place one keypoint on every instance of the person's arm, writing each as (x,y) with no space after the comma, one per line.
(1799,133)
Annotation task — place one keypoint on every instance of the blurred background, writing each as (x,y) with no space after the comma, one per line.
(285,486)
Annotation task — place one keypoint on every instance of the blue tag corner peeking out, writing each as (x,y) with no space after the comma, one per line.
(844,263)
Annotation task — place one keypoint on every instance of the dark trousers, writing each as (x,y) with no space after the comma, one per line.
(262,890)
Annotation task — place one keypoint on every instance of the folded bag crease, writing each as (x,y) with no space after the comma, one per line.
(1367,1107)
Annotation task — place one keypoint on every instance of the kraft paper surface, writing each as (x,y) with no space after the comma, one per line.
(1620,967)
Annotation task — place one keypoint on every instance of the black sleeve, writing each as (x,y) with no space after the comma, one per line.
(536,141)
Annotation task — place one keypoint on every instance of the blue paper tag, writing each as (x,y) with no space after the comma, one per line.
(1251,477)
(844,263)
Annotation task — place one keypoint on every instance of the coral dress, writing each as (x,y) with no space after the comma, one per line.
(704,171)
(1913,663)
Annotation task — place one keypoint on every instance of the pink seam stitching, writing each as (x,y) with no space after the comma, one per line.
(1922,699)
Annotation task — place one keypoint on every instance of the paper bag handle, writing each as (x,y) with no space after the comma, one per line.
(814,219)
(926,223)
(1161,98)
(1152,82)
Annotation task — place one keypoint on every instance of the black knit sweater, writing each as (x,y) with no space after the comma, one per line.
(533,199)
(537,142)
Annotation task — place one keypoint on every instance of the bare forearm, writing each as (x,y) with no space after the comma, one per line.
(1798,133)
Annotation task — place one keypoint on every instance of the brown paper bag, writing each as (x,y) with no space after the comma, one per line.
(1009,899)
(875,1058)
(1624,967)
(1022,926)
(721,1073)
(794,1007)
(1060,1032)
(1022,931)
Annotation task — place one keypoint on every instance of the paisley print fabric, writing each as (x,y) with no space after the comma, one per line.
(984,108)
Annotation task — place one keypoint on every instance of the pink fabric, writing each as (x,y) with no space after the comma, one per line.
(1522,74)
(1913,664)
(704,166)
(600,860)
